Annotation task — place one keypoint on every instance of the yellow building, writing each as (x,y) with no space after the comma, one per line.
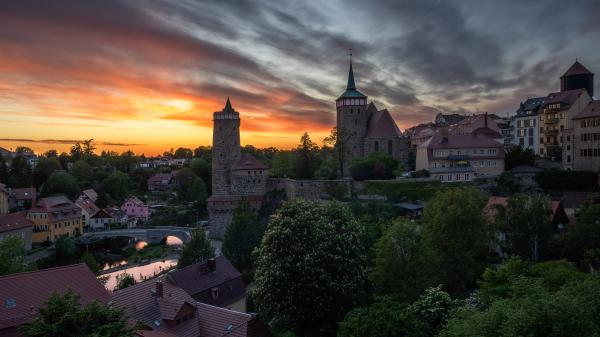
(4,195)
(54,217)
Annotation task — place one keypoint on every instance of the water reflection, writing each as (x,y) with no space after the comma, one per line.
(140,245)
(173,241)
(140,273)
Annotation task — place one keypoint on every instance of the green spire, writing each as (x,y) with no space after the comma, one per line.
(228,106)
(351,85)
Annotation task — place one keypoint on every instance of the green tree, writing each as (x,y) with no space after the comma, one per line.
(88,148)
(584,236)
(19,173)
(4,173)
(201,168)
(198,249)
(526,222)
(124,280)
(65,250)
(60,182)
(116,185)
(517,156)
(23,150)
(51,154)
(309,285)
(378,165)
(183,153)
(242,237)
(43,169)
(339,139)
(404,264)
(64,315)
(307,158)
(433,309)
(91,262)
(283,165)
(127,161)
(185,179)
(200,194)
(384,318)
(455,228)
(76,152)
(12,251)
(83,173)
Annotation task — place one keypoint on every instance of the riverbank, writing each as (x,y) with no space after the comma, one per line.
(138,264)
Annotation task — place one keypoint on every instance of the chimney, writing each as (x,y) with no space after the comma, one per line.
(212,264)
(159,288)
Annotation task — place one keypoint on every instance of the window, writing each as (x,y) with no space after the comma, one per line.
(467,176)
(449,177)
(390,147)
(376,145)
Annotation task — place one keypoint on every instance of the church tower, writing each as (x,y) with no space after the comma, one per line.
(352,120)
(577,77)
(226,148)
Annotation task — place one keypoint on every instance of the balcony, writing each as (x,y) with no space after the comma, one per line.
(453,169)
(551,120)
(455,157)
(551,132)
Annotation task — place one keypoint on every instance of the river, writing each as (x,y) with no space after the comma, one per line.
(140,272)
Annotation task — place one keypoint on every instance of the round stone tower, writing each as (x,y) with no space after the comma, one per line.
(352,120)
(226,148)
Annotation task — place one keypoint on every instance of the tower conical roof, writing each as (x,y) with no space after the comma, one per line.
(228,107)
(577,69)
(351,86)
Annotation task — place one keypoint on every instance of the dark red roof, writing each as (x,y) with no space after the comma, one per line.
(568,97)
(21,294)
(141,303)
(472,140)
(248,162)
(198,280)
(26,193)
(58,208)
(382,125)
(14,221)
(235,198)
(577,69)
(592,110)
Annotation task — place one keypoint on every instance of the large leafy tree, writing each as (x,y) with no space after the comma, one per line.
(338,139)
(12,251)
(116,185)
(404,263)
(526,222)
(583,239)
(185,179)
(19,173)
(378,165)
(242,237)
(83,172)
(201,168)
(455,228)
(43,169)
(517,156)
(64,315)
(198,249)
(310,267)
(61,182)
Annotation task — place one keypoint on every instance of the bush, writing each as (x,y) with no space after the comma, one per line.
(377,166)
(567,180)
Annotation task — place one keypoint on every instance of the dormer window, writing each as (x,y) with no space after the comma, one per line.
(214,293)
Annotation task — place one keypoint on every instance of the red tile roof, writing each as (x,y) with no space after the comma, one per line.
(26,193)
(14,221)
(490,209)
(382,125)
(140,302)
(248,162)
(29,291)
(592,110)
(87,205)
(439,141)
(576,69)
(58,208)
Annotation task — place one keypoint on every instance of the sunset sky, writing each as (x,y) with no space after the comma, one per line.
(147,75)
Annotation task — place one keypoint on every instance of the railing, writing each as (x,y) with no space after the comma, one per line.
(550,132)
(458,157)
(551,120)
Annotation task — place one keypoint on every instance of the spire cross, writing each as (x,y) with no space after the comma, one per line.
(350,53)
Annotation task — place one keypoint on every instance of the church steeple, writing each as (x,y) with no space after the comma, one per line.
(351,85)
(228,107)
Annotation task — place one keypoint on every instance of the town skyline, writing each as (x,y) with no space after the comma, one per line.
(154,74)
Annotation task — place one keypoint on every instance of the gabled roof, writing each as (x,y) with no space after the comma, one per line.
(87,205)
(198,278)
(382,125)
(102,214)
(90,194)
(14,221)
(453,141)
(50,203)
(531,104)
(567,97)
(490,209)
(248,162)
(592,110)
(21,294)
(134,200)
(576,69)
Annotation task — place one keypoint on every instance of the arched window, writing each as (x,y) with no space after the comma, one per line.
(376,145)
(390,147)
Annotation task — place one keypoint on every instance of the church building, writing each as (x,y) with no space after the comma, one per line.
(366,129)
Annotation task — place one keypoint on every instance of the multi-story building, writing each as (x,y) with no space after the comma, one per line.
(235,176)
(22,199)
(558,111)
(461,157)
(88,209)
(136,209)
(526,126)
(365,128)
(556,122)
(54,217)
(16,224)
(586,138)
(4,196)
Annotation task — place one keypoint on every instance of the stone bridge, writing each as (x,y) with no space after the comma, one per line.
(150,235)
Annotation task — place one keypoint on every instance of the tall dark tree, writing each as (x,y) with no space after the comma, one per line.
(60,182)
(198,249)
(116,185)
(517,156)
(183,153)
(242,237)
(582,240)
(454,226)
(43,169)
(307,158)
(338,139)
(19,173)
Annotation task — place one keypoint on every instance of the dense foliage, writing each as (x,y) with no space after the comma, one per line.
(310,267)
(63,315)
(567,180)
(517,156)
(242,236)
(198,249)
(377,166)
